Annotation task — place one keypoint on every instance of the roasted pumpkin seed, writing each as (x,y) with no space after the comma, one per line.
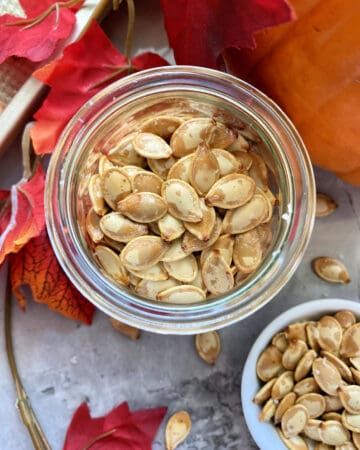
(146,181)
(268,411)
(151,146)
(117,227)
(350,344)
(191,244)
(182,295)
(96,195)
(331,269)
(92,224)
(181,169)
(247,251)
(304,365)
(149,288)
(294,420)
(283,385)
(306,386)
(184,270)
(208,346)
(285,403)
(204,170)
(163,126)
(341,366)
(225,245)
(314,403)
(217,275)
(293,443)
(345,318)
(231,191)
(143,207)
(325,205)
(154,273)
(170,227)
(350,398)
(312,429)
(175,252)
(143,252)
(258,171)
(125,329)
(111,263)
(227,162)
(182,200)
(330,334)
(203,229)
(333,432)
(124,153)
(294,352)
(246,217)
(162,166)
(265,392)
(177,429)
(326,375)
(115,186)
(269,363)
(351,421)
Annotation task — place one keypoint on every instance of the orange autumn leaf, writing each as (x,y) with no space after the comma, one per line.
(36,265)
(22,213)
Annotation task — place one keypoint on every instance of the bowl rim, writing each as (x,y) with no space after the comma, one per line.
(264,432)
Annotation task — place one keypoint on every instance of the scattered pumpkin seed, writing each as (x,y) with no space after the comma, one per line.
(177,429)
(208,346)
(331,269)
(325,205)
(125,329)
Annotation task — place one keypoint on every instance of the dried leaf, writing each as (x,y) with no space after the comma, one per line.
(22,215)
(85,67)
(119,429)
(37,266)
(200,31)
(37,42)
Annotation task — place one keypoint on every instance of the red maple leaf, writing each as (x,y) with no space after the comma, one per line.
(36,42)
(200,31)
(36,265)
(22,214)
(119,429)
(85,68)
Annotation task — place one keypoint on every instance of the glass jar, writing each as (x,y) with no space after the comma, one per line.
(119,109)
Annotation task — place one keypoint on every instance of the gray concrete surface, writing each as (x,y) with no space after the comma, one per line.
(63,363)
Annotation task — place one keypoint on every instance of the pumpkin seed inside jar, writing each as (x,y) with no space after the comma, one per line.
(178,192)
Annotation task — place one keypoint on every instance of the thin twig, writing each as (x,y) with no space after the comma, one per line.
(109,77)
(23,403)
(98,438)
(35,20)
(130,29)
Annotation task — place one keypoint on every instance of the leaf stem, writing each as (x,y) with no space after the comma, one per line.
(98,438)
(130,29)
(118,71)
(35,20)
(22,403)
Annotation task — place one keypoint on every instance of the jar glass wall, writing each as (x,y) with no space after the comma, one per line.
(178,91)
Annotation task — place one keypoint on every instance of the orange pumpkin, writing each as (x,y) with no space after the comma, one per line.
(311,68)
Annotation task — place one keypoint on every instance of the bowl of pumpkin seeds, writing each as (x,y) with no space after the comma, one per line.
(180,200)
(301,381)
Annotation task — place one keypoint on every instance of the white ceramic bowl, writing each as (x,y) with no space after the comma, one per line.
(265,434)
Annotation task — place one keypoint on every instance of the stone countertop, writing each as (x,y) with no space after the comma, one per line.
(63,363)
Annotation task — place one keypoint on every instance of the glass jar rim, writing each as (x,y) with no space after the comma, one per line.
(155,316)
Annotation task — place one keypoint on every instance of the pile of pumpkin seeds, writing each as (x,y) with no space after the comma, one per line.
(311,372)
(181,209)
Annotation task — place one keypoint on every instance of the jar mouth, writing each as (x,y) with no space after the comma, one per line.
(210,89)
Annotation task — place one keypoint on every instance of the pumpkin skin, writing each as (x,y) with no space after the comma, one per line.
(311,68)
